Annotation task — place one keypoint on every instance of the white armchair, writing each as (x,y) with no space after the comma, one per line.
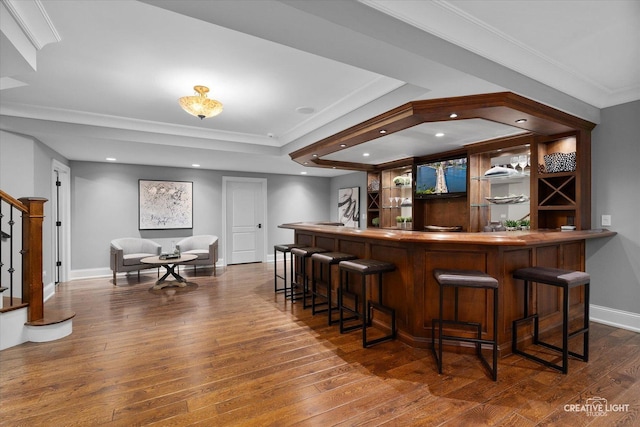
(204,246)
(127,252)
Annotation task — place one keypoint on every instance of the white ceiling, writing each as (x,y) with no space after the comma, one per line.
(109,86)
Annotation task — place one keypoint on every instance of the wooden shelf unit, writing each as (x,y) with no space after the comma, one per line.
(563,198)
(556,199)
(373,198)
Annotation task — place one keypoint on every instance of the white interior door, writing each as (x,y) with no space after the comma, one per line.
(245,220)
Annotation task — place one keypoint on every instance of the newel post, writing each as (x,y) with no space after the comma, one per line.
(32,287)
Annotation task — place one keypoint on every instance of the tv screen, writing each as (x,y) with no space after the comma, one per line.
(444,178)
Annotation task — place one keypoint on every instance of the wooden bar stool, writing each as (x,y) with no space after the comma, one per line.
(565,279)
(364,267)
(328,259)
(300,279)
(284,249)
(465,279)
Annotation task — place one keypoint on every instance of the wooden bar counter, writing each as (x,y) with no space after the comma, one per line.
(413,292)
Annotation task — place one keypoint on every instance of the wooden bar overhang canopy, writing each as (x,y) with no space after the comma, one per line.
(503,107)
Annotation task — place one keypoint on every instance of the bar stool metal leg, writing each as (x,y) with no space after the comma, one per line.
(365,267)
(465,279)
(565,279)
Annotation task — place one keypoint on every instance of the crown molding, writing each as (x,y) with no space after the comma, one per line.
(34,21)
(123,123)
(445,20)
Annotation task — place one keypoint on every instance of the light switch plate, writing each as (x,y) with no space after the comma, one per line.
(606,220)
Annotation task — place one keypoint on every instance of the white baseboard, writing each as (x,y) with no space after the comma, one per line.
(48,333)
(612,317)
(93,273)
(48,291)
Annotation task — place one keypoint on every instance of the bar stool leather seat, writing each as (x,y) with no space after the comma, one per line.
(365,267)
(285,249)
(329,259)
(565,279)
(465,279)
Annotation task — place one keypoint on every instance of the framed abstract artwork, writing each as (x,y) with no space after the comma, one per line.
(165,205)
(349,206)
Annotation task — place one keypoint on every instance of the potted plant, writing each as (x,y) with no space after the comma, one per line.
(398,181)
(511,224)
(400,221)
(408,223)
(525,224)
(375,222)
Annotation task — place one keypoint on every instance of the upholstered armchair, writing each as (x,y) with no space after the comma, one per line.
(127,252)
(204,246)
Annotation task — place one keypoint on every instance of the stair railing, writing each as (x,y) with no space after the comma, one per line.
(32,211)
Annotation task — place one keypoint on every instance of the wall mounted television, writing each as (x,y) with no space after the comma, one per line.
(442,178)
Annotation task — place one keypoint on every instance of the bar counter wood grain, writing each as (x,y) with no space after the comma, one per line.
(413,292)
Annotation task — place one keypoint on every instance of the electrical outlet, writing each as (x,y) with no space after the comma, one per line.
(606,220)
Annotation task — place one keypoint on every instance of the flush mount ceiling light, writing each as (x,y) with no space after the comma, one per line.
(199,105)
(306,110)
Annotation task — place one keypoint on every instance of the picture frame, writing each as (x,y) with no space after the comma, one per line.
(349,206)
(165,205)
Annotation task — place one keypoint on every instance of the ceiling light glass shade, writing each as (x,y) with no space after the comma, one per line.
(199,105)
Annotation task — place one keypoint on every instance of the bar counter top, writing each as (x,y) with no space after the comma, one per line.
(498,238)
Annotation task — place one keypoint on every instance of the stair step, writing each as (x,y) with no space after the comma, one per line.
(52,317)
(8,305)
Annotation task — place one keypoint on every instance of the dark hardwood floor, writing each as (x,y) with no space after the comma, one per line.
(226,351)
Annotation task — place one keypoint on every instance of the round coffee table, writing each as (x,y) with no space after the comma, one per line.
(169,265)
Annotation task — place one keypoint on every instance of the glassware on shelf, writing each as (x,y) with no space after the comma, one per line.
(391,201)
(398,201)
(514,162)
(522,162)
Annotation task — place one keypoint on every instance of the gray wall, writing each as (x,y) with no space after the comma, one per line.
(614,264)
(105,206)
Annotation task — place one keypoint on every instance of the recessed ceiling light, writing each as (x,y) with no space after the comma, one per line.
(306,110)
(314,155)
(365,154)
(343,145)
(303,173)
(383,131)
(195,165)
(439,134)
(111,159)
(521,120)
(453,115)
